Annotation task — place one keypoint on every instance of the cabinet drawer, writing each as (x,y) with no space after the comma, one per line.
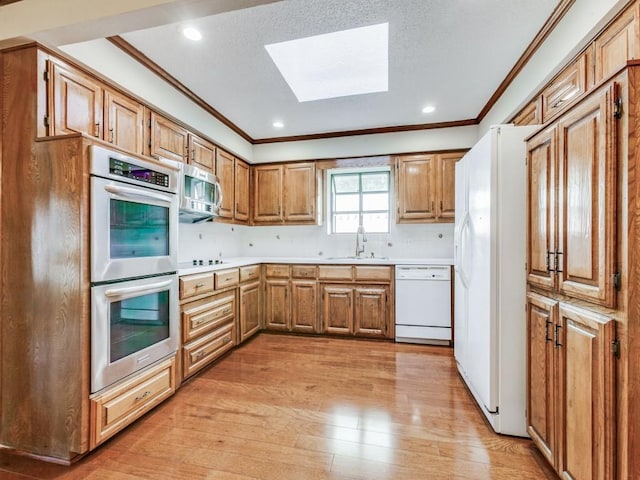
(198,284)
(250,272)
(335,272)
(569,85)
(205,315)
(281,271)
(201,352)
(227,278)
(366,272)
(303,271)
(114,409)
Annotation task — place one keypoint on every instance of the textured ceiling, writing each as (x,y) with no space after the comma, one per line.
(450,53)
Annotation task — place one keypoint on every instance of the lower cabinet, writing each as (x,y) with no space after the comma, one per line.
(571,387)
(116,407)
(249,321)
(276,305)
(355,310)
(304,306)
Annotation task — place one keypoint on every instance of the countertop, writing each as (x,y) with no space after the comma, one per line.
(187,267)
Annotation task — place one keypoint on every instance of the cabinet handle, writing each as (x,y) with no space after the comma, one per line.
(546,331)
(557,335)
(226,340)
(200,354)
(143,396)
(557,262)
(441,205)
(97,130)
(227,311)
(199,285)
(549,253)
(111,135)
(432,209)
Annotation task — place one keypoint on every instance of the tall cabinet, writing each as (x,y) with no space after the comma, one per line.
(583,323)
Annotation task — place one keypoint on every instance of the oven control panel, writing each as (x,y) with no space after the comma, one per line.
(136,172)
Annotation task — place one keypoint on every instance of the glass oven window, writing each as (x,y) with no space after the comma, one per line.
(199,190)
(138,230)
(137,323)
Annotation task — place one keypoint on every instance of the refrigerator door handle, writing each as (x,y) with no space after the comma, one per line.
(460,252)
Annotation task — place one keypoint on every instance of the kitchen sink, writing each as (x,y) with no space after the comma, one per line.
(353,257)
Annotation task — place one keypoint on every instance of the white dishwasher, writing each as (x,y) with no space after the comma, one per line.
(423,304)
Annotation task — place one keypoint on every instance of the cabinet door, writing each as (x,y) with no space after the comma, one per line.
(267,193)
(337,309)
(541,197)
(77,102)
(277,305)
(241,212)
(168,140)
(586,395)
(446,186)
(617,44)
(299,193)
(371,312)
(587,200)
(542,314)
(304,305)
(225,164)
(124,120)
(249,310)
(415,188)
(202,153)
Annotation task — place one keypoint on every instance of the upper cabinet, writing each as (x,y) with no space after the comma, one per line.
(202,153)
(617,44)
(225,167)
(81,104)
(168,139)
(241,178)
(284,193)
(572,202)
(425,187)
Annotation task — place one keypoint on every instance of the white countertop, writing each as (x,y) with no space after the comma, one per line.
(186,269)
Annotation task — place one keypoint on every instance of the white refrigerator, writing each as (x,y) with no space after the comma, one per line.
(490,279)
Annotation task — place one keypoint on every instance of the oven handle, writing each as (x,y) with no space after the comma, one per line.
(116,189)
(116,292)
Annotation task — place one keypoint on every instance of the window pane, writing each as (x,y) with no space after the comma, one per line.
(346,183)
(375,201)
(345,223)
(347,203)
(375,182)
(375,222)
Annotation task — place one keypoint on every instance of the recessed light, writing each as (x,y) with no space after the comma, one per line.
(429,109)
(338,64)
(278,124)
(192,34)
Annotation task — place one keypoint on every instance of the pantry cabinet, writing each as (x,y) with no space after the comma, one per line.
(572,202)
(425,187)
(284,194)
(571,385)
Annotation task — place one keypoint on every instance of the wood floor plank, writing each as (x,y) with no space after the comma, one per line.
(310,408)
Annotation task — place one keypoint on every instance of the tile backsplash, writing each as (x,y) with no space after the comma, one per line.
(214,240)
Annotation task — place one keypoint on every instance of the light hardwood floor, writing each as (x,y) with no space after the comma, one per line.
(306,408)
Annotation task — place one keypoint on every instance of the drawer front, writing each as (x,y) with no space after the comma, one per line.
(251,272)
(198,284)
(366,272)
(198,354)
(119,406)
(335,272)
(280,271)
(227,278)
(203,316)
(569,85)
(303,271)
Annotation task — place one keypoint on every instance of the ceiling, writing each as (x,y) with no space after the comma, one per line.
(452,54)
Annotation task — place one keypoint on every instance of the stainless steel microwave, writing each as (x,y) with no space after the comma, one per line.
(199,194)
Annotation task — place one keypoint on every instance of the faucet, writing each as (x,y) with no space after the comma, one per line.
(360,239)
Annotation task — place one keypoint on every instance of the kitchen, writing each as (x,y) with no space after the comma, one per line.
(235,239)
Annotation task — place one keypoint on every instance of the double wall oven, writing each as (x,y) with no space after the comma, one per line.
(134,253)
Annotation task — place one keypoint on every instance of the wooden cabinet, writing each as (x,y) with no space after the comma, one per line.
(572,202)
(80,103)
(276,315)
(571,385)
(618,43)
(116,407)
(241,190)
(202,153)
(425,187)
(371,314)
(531,114)
(337,309)
(168,139)
(304,305)
(225,166)
(249,299)
(566,87)
(284,194)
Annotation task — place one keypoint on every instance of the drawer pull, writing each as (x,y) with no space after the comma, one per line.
(199,285)
(200,354)
(143,396)
(227,311)
(226,339)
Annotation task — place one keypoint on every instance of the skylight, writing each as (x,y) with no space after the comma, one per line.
(348,62)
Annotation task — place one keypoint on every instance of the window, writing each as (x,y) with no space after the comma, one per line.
(359,198)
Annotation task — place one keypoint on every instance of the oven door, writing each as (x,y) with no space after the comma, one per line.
(134,231)
(133,324)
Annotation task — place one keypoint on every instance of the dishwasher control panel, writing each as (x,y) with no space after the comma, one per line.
(423,272)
